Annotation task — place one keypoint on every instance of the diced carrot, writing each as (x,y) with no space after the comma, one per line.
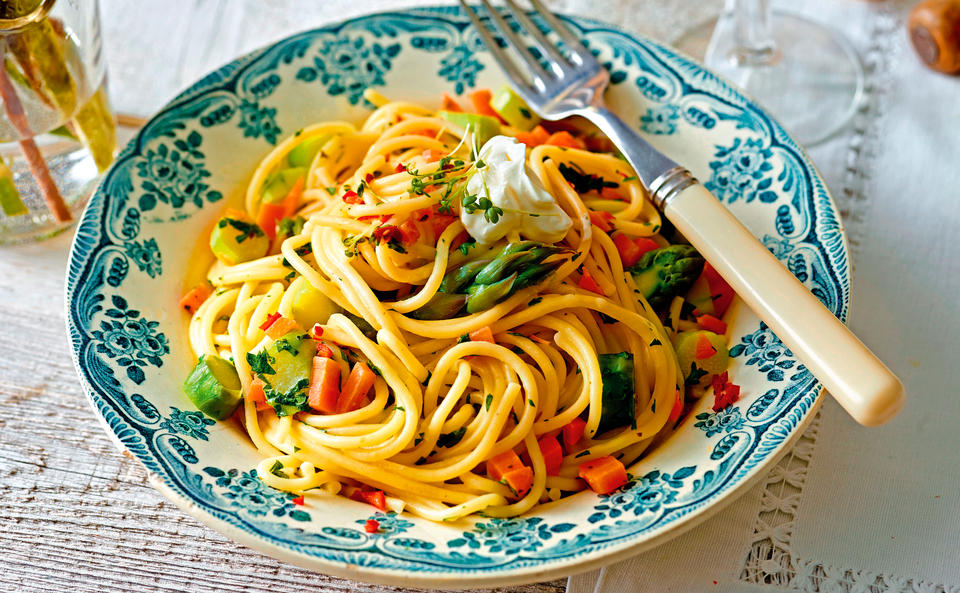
(573,432)
(375,497)
(627,247)
(324,385)
(484,334)
(448,103)
(257,395)
(720,291)
(372,525)
(481,104)
(281,327)
(534,137)
(646,244)
(195,297)
(608,193)
(677,407)
(271,317)
(704,348)
(410,231)
(587,282)
(552,454)
(604,474)
(355,390)
(602,220)
(272,213)
(324,350)
(565,139)
(711,323)
(519,480)
(503,463)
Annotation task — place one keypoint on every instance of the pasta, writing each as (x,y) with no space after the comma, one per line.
(373,347)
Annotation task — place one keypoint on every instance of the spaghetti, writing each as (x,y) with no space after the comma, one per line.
(481,361)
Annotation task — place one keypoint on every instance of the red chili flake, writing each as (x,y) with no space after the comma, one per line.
(351,197)
(446,166)
(317,330)
(400,168)
(371,526)
(368,178)
(270,319)
(387,232)
(298,501)
(622,174)
(725,393)
(324,351)
(365,218)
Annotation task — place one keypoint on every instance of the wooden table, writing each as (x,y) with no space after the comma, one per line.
(75,514)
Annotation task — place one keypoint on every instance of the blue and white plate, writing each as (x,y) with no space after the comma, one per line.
(194,158)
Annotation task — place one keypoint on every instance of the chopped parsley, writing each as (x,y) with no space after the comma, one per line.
(260,363)
(248,230)
(451,438)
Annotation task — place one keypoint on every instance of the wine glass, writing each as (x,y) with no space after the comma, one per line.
(804,73)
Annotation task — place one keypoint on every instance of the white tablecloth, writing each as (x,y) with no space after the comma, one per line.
(850,509)
(854,509)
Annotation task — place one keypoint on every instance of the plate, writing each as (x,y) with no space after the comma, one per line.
(194,158)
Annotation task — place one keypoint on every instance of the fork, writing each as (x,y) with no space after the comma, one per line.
(574,85)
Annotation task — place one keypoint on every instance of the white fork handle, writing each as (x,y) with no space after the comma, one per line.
(853,375)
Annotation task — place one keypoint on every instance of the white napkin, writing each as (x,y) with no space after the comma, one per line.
(858,509)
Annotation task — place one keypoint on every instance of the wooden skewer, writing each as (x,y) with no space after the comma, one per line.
(38,167)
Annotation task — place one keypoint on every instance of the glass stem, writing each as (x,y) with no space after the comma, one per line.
(753,39)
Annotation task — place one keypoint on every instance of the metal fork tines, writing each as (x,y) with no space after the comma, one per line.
(566,73)
(571,84)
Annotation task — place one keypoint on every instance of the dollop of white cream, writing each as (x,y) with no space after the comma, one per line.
(513,187)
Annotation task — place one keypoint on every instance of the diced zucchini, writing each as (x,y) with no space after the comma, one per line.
(278,184)
(285,366)
(699,296)
(236,239)
(483,127)
(697,371)
(619,396)
(213,386)
(310,306)
(303,154)
(513,109)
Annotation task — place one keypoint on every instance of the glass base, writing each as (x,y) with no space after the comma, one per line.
(812,84)
(75,174)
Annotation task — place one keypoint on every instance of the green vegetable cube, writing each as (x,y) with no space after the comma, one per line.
(483,127)
(214,387)
(285,367)
(236,238)
(513,109)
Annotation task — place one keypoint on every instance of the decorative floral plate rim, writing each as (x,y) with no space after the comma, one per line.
(167,176)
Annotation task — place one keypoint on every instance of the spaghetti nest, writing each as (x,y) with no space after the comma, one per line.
(477,350)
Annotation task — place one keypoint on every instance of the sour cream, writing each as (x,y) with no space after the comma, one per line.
(513,187)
